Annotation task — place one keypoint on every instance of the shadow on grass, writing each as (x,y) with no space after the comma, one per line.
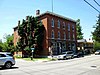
(8,69)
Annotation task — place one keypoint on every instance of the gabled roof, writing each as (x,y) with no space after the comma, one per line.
(54,14)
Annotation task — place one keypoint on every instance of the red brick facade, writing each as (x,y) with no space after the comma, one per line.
(60,32)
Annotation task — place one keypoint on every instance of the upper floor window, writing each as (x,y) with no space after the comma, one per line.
(58,35)
(68,27)
(73,37)
(52,34)
(63,25)
(52,22)
(58,24)
(68,35)
(64,36)
(73,28)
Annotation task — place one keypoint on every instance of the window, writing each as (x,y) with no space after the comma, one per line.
(68,35)
(68,27)
(52,34)
(58,24)
(64,36)
(58,35)
(2,55)
(73,47)
(63,46)
(63,25)
(52,22)
(73,28)
(73,37)
(69,46)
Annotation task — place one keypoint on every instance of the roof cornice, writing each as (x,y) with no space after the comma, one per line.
(54,14)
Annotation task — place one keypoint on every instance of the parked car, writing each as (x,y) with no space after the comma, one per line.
(6,60)
(97,52)
(66,55)
(79,54)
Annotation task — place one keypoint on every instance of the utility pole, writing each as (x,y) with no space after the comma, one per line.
(52,5)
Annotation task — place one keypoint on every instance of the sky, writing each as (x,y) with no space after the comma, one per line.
(13,10)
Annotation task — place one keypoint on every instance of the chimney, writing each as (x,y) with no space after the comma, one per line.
(19,22)
(37,12)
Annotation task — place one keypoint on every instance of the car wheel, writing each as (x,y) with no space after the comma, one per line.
(72,57)
(8,65)
(64,58)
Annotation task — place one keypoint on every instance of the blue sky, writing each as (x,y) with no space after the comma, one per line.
(13,10)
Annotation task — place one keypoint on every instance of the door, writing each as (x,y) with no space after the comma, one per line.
(59,48)
(2,59)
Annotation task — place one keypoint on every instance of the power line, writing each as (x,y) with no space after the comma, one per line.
(92,6)
(96,2)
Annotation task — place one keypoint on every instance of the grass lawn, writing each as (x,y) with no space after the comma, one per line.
(38,59)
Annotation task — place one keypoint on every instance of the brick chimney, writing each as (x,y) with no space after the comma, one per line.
(19,22)
(37,12)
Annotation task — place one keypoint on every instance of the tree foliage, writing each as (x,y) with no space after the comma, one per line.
(79,30)
(96,33)
(1,45)
(31,31)
(96,46)
(8,45)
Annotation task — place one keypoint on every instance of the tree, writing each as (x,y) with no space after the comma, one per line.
(1,46)
(8,45)
(31,32)
(79,30)
(96,45)
(96,33)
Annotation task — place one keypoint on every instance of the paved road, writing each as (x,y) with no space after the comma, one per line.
(88,65)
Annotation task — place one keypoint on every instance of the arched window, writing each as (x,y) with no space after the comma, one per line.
(64,36)
(52,22)
(52,34)
(73,28)
(73,36)
(58,35)
(64,25)
(58,24)
(68,35)
(68,27)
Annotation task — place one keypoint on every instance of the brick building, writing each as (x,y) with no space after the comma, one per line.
(60,33)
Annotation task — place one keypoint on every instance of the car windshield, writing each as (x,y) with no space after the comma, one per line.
(63,53)
(98,51)
(10,55)
(69,52)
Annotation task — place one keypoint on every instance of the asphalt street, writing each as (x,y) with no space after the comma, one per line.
(88,65)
